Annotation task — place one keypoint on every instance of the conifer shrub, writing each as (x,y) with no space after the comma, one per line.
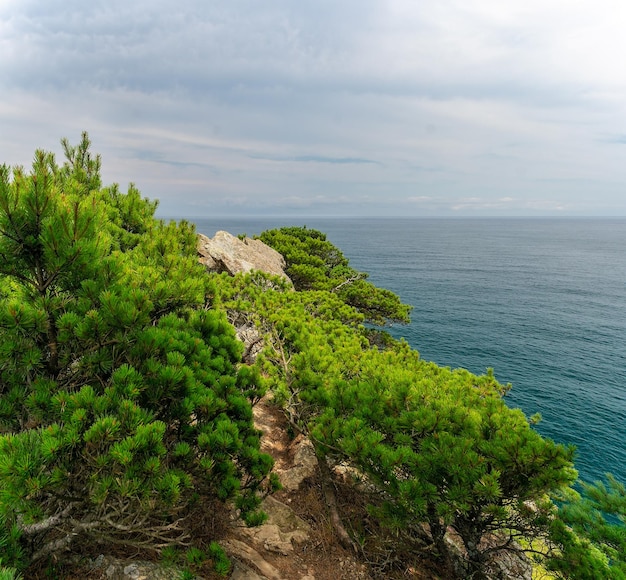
(590,532)
(314,263)
(121,398)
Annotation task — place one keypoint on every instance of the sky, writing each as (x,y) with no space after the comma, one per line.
(377,108)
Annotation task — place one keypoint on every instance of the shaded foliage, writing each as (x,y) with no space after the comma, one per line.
(591,532)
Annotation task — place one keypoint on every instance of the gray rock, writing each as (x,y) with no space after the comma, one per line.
(503,564)
(252,340)
(304,464)
(227,253)
(281,531)
(251,558)
(243,572)
(513,565)
(115,569)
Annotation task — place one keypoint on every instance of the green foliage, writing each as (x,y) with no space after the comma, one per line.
(573,556)
(195,556)
(8,574)
(187,575)
(440,446)
(169,555)
(313,263)
(591,532)
(129,216)
(193,560)
(120,393)
(221,562)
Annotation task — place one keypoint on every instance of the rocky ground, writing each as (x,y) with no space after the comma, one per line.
(297,541)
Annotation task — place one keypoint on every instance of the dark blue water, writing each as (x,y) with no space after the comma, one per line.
(543,302)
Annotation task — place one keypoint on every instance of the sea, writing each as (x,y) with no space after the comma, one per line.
(541,301)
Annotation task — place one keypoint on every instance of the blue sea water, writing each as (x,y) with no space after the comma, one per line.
(541,301)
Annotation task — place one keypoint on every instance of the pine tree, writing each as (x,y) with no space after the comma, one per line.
(314,263)
(444,449)
(120,394)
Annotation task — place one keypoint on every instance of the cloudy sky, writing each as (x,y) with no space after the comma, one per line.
(329,107)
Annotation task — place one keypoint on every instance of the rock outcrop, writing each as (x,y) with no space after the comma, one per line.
(227,253)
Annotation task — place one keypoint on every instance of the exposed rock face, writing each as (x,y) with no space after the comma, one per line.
(252,340)
(510,564)
(244,552)
(303,464)
(227,253)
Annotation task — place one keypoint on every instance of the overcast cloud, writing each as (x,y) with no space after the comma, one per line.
(328,107)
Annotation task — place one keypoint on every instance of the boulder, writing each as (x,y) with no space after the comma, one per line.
(303,465)
(227,253)
(281,531)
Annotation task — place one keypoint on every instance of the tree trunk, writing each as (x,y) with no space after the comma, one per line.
(437,530)
(331,502)
(471,533)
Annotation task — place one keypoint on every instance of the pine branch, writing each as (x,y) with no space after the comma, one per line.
(48,523)
(64,542)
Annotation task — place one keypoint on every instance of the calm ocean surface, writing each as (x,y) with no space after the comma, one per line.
(541,301)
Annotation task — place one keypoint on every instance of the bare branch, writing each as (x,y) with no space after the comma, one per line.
(48,523)
(358,276)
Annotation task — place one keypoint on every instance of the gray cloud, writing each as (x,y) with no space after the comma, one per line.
(315,159)
(388,107)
